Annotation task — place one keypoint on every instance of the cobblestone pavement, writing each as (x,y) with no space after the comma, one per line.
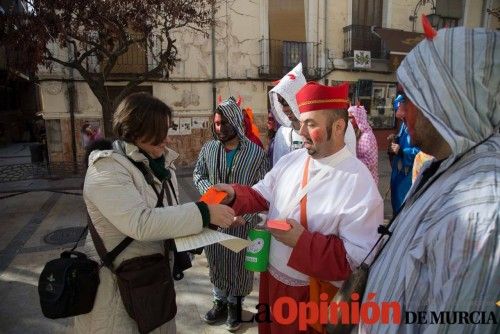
(27,171)
(16,165)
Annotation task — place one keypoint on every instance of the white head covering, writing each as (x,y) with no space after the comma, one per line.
(455,80)
(288,86)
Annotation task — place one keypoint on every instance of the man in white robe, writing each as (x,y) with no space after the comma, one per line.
(442,261)
(286,112)
(333,226)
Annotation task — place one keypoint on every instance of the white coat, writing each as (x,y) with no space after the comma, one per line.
(121,203)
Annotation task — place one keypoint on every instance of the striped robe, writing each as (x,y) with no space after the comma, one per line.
(250,164)
(444,254)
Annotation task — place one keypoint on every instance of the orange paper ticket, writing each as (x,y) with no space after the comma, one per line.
(279,224)
(213,196)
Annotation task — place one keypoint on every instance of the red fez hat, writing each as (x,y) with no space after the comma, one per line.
(314,96)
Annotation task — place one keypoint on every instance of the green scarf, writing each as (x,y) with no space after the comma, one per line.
(158,167)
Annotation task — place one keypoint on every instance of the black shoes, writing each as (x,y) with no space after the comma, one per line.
(232,321)
(216,313)
(221,311)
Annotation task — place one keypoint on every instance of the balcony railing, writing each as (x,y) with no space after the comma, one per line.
(359,37)
(279,57)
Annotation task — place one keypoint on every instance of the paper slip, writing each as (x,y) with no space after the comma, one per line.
(213,196)
(209,237)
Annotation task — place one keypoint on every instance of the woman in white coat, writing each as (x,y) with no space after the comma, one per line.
(121,203)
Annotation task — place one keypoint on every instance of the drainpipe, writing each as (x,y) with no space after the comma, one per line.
(72,108)
(214,88)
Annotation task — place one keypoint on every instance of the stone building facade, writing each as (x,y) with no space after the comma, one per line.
(256,42)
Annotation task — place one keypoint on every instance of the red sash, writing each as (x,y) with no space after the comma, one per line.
(316,286)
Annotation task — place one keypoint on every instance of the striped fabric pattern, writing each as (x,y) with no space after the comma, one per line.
(455,79)
(250,164)
(444,254)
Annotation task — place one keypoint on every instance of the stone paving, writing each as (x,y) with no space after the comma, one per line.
(16,165)
(24,251)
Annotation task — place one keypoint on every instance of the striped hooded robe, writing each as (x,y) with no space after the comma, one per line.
(444,254)
(250,164)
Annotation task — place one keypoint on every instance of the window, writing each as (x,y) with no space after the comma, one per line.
(377,98)
(367,12)
(381,113)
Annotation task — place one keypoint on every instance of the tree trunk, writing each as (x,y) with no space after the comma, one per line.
(107,118)
(101,93)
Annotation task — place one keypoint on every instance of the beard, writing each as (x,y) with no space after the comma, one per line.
(311,150)
(225,136)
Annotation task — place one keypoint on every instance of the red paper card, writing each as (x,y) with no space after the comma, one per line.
(213,196)
(279,225)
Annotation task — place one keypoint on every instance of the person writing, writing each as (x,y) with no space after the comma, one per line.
(121,203)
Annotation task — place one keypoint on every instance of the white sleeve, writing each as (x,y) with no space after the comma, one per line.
(281,147)
(361,215)
(350,138)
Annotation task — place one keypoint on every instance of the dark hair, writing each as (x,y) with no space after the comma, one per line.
(333,116)
(85,126)
(141,115)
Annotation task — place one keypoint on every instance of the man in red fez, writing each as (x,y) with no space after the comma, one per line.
(330,202)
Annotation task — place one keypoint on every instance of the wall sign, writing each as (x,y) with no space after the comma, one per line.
(362,59)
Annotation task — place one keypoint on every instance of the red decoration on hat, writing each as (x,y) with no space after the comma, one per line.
(292,76)
(314,96)
(429,31)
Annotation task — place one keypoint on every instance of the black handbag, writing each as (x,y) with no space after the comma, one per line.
(68,285)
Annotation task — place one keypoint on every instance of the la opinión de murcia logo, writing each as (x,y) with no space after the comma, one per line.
(368,312)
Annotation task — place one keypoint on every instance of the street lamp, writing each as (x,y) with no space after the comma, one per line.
(433,17)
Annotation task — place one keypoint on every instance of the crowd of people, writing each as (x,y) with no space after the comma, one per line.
(320,174)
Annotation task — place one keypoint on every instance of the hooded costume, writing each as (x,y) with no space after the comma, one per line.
(444,255)
(249,165)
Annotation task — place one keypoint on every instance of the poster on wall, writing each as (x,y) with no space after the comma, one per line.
(362,59)
(175,130)
(199,123)
(391,92)
(378,92)
(185,126)
(382,115)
